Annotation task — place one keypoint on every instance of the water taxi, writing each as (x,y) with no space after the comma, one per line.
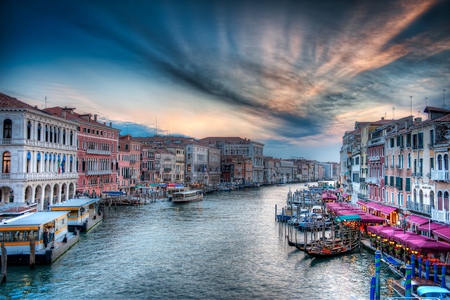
(46,233)
(171,189)
(187,196)
(84,213)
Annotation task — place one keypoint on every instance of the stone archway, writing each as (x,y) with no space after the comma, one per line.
(6,194)
(28,194)
(38,197)
(47,196)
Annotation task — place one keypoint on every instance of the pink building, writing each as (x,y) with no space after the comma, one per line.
(96,152)
(129,162)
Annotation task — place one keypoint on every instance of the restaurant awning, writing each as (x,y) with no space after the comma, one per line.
(348,218)
(360,202)
(443,233)
(381,208)
(416,220)
(431,226)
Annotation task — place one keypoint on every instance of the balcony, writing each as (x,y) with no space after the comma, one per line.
(418,207)
(362,196)
(38,176)
(98,172)
(99,152)
(440,175)
(373,180)
(374,158)
(418,174)
(440,215)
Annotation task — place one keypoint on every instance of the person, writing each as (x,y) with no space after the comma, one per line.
(52,233)
(45,237)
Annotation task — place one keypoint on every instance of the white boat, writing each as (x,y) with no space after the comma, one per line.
(84,214)
(187,196)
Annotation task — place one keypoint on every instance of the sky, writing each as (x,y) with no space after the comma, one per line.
(294,75)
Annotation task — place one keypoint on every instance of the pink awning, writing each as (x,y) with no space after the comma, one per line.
(443,233)
(431,226)
(360,202)
(417,220)
(386,209)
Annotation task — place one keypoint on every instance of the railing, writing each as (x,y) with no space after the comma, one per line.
(101,152)
(362,196)
(98,172)
(373,180)
(374,158)
(38,176)
(50,145)
(418,174)
(419,207)
(440,175)
(440,215)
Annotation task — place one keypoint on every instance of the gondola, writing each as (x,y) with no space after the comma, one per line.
(324,250)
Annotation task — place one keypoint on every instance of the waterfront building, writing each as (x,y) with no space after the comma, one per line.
(97,145)
(239,146)
(38,155)
(214,170)
(128,162)
(196,163)
(287,170)
(237,169)
(180,166)
(270,174)
(148,169)
(165,162)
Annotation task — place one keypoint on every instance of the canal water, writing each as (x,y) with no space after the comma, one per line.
(227,246)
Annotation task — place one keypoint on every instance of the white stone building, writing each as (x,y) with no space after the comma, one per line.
(38,154)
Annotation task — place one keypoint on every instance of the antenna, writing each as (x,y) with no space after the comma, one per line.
(393,113)
(45,102)
(411,105)
(443,98)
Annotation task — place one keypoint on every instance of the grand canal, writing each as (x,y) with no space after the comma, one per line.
(227,246)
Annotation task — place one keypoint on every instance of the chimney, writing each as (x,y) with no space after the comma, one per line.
(63,114)
(110,124)
(382,118)
(95,117)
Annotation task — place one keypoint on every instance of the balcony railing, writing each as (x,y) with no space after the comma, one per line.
(440,175)
(38,176)
(373,180)
(418,207)
(100,152)
(418,174)
(374,158)
(440,215)
(98,172)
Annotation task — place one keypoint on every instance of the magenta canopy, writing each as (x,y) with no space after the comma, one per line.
(443,233)
(417,220)
(388,232)
(376,229)
(431,226)
(360,202)
(428,246)
(402,238)
(368,218)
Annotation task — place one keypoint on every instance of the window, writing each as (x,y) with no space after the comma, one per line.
(408,185)
(6,163)
(7,129)
(39,129)
(409,160)
(29,130)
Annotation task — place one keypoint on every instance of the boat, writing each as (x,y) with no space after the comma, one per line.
(85,213)
(45,234)
(171,189)
(433,292)
(187,196)
(325,249)
(398,286)
(398,268)
(281,183)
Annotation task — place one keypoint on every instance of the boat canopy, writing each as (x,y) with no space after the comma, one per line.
(348,218)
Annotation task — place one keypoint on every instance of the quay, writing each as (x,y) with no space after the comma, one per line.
(36,238)
(84,213)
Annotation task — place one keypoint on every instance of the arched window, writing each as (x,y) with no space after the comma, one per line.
(39,129)
(6,163)
(64,137)
(409,160)
(446,162)
(29,130)
(439,162)
(46,133)
(71,138)
(7,129)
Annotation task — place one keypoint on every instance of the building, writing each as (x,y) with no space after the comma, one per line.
(128,163)
(38,155)
(97,146)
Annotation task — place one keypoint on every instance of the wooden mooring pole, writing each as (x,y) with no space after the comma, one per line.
(4,262)
(32,254)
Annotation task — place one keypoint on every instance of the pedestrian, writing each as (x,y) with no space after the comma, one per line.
(45,237)
(52,233)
